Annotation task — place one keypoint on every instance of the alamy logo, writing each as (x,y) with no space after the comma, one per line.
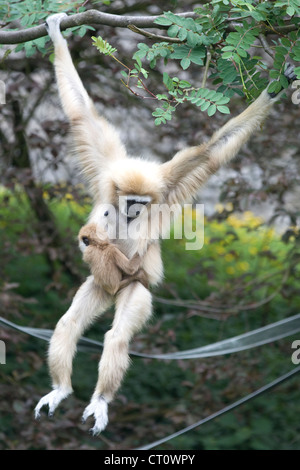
(296,354)
(296,94)
(2,92)
(2,353)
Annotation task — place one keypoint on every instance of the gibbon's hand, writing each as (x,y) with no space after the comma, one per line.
(290,75)
(53,25)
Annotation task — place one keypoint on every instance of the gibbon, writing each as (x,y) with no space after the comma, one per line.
(111,269)
(132,186)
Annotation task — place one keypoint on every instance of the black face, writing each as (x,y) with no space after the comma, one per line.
(134,206)
(85,241)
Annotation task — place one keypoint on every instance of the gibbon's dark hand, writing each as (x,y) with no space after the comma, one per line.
(290,75)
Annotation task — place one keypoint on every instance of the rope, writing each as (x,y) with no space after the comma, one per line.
(252,339)
(228,408)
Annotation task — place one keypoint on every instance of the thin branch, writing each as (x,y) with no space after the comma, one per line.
(265,45)
(94,17)
(145,33)
(208,59)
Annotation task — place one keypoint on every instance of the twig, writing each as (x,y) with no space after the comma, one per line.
(265,45)
(208,59)
(145,33)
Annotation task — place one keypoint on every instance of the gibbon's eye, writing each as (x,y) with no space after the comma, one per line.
(106,213)
(85,241)
(135,205)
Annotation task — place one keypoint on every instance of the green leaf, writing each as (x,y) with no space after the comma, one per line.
(227,48)
(173,30)
(286,42)
(182,34)
(227,55)
(223,109)
(284,81)
(290,10)
(163,21)
(211,110)
(185,63)
(223,100)
(205,106)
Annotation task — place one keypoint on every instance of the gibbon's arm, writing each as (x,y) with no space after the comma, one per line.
(95,139)
(127,266)
(190,168)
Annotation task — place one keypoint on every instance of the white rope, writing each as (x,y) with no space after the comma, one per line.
(251,339)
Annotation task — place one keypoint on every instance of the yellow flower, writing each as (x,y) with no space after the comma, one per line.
(234,221)
(229,257)
(69,197)
(220,249)
(243,266)
(230,270)
(229,206)
(219,208)
(46,195)
(253,250)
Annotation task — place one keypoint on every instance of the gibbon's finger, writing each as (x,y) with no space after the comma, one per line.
(290,73)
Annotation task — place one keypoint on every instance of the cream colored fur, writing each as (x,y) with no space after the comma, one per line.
(110,173)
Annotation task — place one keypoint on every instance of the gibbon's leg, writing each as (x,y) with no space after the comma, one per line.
(95,140)
(89,302)
(133,309)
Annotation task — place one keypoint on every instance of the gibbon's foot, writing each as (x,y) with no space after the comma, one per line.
(53,25)
(52,399)
(290,75)
(99,408)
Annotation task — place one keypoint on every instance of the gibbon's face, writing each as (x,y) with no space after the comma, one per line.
(137,185)
(92,234)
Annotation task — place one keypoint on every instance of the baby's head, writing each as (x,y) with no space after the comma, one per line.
(92,235)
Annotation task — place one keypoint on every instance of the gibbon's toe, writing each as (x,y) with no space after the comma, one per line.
(52,399)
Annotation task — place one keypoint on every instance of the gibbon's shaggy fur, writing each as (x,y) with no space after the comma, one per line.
(112,270)
(125,182)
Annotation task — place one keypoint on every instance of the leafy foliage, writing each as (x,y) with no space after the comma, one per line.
(232,57)
(224,38)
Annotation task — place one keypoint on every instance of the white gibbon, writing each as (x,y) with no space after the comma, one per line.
(125,183)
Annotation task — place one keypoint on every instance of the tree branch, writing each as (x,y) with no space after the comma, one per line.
(266,46)
(107,19)
(87,17)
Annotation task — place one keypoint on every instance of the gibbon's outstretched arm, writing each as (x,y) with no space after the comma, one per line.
(190,168)
(95,140)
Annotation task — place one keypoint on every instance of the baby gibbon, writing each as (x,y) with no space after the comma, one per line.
(111,269)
